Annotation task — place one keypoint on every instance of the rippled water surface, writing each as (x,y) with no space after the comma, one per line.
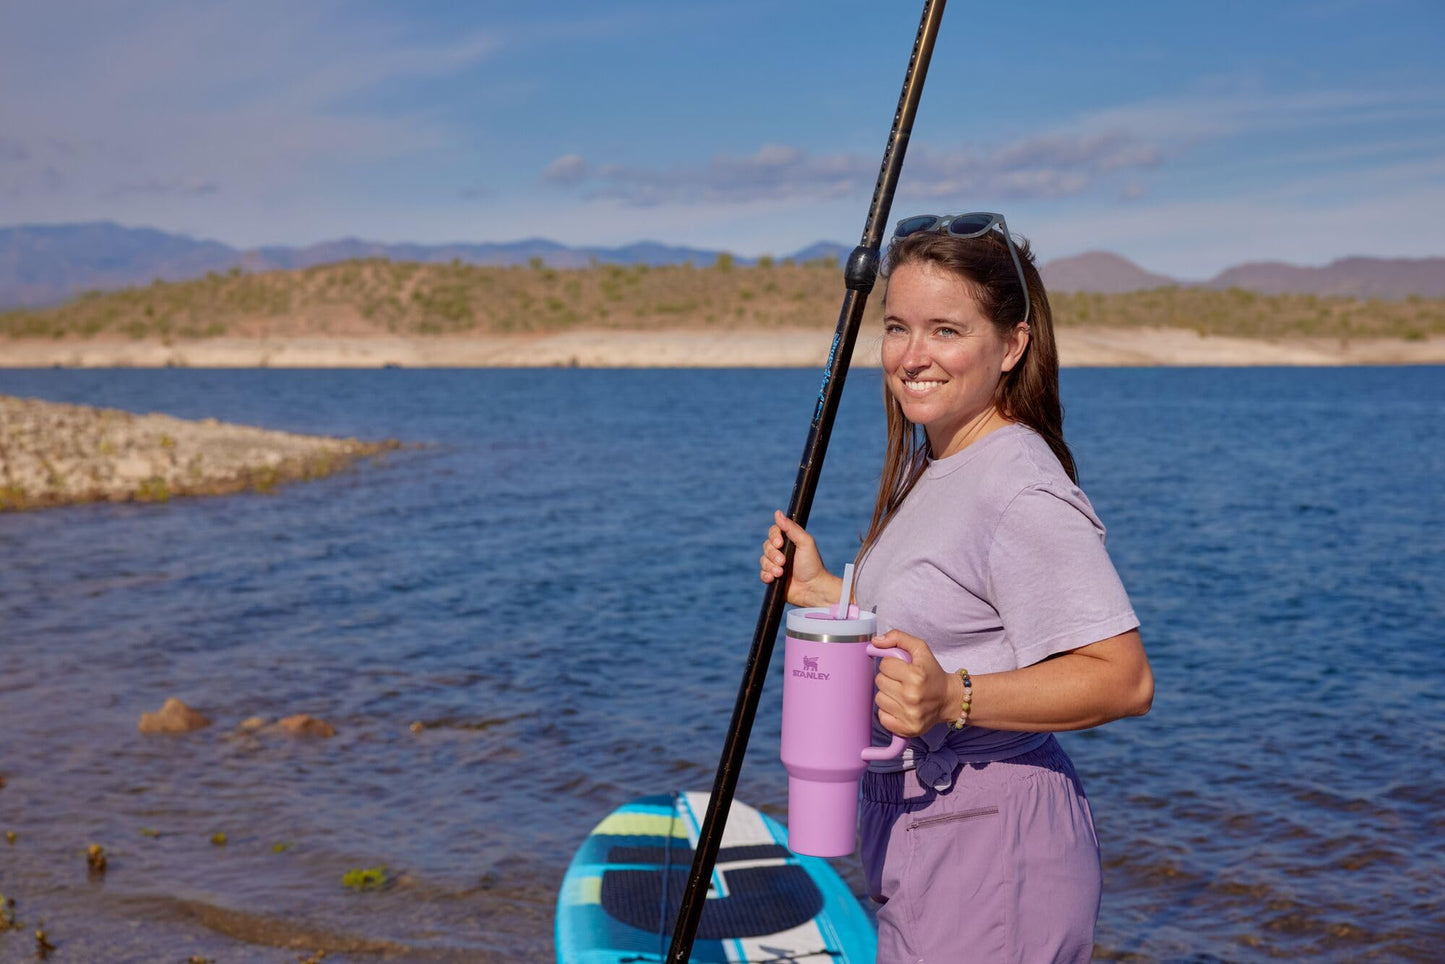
(557,582)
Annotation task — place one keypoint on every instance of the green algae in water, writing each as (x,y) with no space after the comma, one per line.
(364,878)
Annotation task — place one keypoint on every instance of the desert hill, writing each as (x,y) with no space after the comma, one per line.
(1355,277)
(381,297)
(45,264)
(1101,272)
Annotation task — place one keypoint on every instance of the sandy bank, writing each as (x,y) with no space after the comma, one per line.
(1162,347)
(787,348)
(54,454)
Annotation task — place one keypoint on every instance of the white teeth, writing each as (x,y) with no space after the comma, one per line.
(920,384)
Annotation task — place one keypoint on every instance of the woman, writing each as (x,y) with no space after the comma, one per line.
(986,564)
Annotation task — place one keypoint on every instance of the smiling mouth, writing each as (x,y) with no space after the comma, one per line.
(920,386)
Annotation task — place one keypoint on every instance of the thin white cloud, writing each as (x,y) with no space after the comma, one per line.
(173,187)
(1056,165)
(1081,156)
(1133,191)
(1218,114)
(568,170)
(159,97)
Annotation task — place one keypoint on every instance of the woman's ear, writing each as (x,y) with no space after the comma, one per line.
(1018,340)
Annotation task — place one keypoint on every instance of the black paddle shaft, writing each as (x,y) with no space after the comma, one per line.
(862,268)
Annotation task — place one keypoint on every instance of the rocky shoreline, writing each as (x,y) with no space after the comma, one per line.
(55,454)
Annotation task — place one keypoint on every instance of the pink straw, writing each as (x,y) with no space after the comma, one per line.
(840,611)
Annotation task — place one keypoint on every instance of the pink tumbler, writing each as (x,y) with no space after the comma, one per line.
(828,725)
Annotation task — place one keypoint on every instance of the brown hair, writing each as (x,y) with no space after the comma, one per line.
(1028,394)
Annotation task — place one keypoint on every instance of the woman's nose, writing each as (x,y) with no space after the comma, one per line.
(915,354)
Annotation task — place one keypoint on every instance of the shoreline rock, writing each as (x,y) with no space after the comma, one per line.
(173,717)
(301,724)
(297,724)
(55,454)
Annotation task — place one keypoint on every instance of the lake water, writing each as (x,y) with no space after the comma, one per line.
(558,582)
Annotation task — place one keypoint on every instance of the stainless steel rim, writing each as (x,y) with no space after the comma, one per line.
(825,638)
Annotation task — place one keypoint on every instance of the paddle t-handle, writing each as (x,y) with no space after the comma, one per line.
(895,746)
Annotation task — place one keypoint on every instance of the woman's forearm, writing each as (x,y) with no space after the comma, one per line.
(1087,687)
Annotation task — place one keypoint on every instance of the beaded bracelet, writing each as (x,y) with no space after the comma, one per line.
(962,720)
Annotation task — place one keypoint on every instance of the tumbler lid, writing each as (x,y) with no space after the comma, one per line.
(818,625)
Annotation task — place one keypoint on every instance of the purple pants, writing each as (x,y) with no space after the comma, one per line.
(1002,866)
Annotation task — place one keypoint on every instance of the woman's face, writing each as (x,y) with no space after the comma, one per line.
(942,358)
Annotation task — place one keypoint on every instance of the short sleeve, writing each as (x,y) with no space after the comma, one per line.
(1050,577)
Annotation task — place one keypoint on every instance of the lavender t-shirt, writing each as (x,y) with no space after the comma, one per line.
(997,561)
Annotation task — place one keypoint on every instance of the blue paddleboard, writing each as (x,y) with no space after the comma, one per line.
(622,891)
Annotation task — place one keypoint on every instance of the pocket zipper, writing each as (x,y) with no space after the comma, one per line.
(945,818)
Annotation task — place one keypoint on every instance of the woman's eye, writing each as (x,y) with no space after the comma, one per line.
(946,332)
(892,329)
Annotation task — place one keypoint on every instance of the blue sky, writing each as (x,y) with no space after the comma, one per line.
(1186,136)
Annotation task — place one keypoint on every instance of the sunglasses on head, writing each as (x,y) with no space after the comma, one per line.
(974,225)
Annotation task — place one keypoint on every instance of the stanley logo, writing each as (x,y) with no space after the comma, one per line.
(810,669)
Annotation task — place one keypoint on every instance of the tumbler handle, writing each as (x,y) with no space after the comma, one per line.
(895,747)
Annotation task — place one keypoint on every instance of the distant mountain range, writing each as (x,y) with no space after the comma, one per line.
(1388,278)
(45,264)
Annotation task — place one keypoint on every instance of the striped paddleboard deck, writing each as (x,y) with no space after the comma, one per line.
(623,888)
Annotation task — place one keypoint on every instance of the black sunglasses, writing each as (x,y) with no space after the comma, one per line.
(974,225)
